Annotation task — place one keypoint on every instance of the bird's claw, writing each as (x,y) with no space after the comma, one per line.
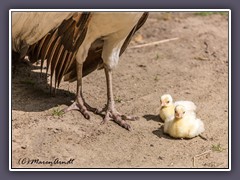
(130,118)
(79,107)
(119,119)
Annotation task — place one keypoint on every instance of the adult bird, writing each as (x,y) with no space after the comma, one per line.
(74,44)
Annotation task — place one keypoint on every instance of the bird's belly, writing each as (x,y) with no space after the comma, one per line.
(179,130)
(113,28)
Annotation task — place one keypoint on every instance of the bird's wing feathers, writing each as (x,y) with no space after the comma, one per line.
(197,127)
(94,59)
(141,21)
(59,46)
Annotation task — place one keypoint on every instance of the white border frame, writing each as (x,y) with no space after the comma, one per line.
(119,10)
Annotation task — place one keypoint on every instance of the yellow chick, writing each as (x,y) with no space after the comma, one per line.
(167,106)
(184,124)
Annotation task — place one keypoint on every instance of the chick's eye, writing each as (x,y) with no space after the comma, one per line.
(183,112)
(167,101)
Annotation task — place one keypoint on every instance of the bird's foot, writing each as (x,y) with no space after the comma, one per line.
(118,118)
(81,106)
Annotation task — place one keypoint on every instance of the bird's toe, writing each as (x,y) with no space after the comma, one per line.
(118,118)
(79,107)
(130,118)
(106,118)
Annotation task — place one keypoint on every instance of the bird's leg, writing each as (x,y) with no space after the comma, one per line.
(79,104)
(111,112)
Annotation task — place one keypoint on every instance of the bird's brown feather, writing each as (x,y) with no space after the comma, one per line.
(59,48)
(94,59)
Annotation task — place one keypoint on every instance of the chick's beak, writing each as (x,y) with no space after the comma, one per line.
(178,115)
(163,104)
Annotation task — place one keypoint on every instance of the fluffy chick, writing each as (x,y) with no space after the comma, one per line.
(167,106)
(184,124)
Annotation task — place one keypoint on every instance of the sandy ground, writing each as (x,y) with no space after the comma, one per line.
(193,67)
